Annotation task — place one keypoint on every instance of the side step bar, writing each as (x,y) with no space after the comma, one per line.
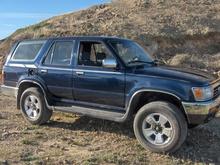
(91,112)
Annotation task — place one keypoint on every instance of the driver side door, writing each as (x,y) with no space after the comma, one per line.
(93,83)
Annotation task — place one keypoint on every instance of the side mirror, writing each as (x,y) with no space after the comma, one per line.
(109,63)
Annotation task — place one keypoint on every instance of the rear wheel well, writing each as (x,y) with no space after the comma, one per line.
(23,87)
(144,98)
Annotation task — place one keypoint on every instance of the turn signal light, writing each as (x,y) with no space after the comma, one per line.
(202,93)
(198,93)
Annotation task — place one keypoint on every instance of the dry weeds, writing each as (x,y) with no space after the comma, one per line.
(70,139)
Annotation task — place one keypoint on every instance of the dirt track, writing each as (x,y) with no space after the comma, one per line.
(69,139)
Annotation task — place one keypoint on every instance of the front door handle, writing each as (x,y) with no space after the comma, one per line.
(79,73)
(43,70)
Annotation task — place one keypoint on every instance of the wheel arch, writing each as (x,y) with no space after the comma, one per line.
(142,97)
(25,84)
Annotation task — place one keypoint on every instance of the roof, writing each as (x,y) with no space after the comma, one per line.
(74,37)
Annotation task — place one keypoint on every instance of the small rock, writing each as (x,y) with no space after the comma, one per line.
(56,146)
(5,134)
(57,118)
(66,162)
(64,149)
(4,162)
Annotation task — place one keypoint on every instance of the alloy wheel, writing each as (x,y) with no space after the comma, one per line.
(157,129)
(32,106)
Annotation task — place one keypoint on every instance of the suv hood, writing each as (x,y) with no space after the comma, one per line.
(184,74)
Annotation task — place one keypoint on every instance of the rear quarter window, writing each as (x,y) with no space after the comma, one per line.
(27,51)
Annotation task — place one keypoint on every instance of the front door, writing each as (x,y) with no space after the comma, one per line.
(92,82)
(56,70)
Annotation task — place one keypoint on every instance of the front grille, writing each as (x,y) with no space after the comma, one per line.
(216,91)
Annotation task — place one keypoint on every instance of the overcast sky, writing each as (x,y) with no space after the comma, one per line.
(15,14)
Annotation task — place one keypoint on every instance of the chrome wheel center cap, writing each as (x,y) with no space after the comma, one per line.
(33,106)
(158,128)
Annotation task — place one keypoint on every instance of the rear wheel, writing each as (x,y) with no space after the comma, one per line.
(33,107)
(160,127)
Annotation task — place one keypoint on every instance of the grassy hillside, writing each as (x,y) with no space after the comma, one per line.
(183,33)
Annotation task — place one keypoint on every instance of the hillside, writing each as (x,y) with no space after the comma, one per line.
(180,32)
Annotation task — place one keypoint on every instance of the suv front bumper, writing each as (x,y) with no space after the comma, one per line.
(201,112)
(9,91)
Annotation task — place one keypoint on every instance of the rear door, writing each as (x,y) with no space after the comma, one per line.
(56,69)
(93,83)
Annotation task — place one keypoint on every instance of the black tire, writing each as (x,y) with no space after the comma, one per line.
(44,114)
(177,122)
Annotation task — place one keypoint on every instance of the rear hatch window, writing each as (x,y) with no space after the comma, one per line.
(27,51)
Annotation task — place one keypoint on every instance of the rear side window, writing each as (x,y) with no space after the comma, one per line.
(27,51)
(60,53)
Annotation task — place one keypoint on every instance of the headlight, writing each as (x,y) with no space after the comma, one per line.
(202,93)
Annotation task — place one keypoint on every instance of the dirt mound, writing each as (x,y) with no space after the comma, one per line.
(165,28)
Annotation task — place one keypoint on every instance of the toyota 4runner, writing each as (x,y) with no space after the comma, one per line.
(113,79)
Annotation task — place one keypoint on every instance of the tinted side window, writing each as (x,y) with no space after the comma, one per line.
(92,54)
(27,51)
(60,54)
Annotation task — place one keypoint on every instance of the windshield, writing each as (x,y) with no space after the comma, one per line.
(130,52)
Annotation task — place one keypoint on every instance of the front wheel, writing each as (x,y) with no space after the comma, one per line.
(33,107)
(160,127)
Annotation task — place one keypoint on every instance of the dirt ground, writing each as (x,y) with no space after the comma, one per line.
(70,139)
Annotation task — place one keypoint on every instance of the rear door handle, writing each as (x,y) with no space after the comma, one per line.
(43,71)
(79,73)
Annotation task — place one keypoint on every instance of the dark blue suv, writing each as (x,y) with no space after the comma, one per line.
(110,78)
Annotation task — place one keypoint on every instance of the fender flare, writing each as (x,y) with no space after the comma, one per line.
(31,81)
(151,90)
(129,112)
(36,83)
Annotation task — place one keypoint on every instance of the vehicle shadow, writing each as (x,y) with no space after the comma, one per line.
(202,144)
(84,123)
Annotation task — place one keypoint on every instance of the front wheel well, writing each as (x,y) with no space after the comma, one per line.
(144,98)
(22,87)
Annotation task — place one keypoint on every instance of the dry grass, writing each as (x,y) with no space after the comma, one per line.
(70,139)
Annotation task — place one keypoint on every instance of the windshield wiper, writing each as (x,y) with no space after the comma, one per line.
(139,61)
